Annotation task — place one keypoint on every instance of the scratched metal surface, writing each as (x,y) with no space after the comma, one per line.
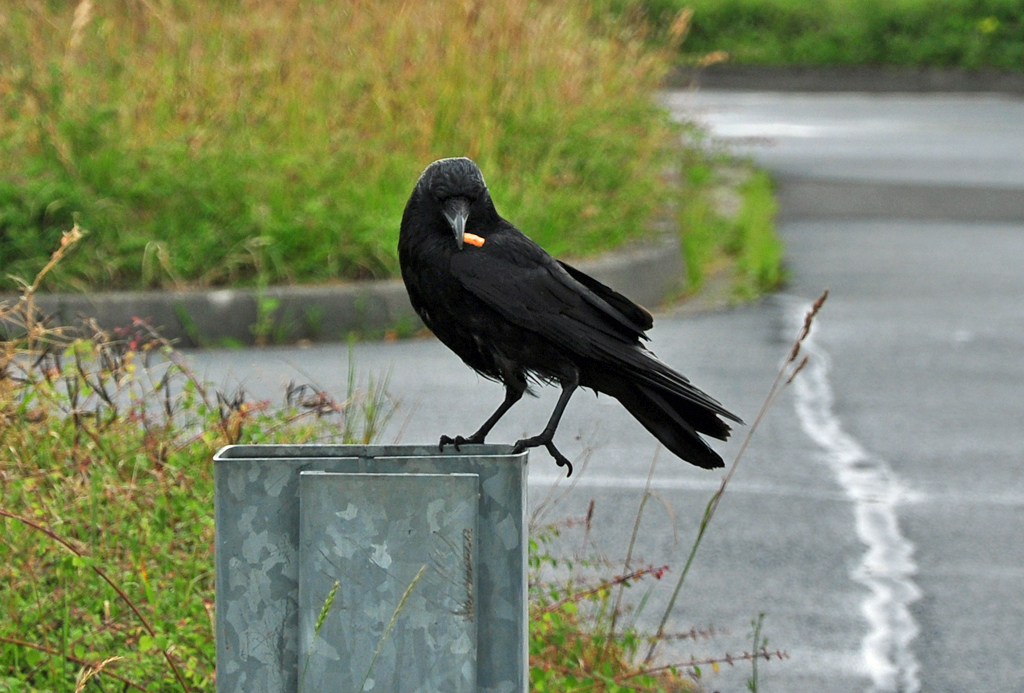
(386,566)
(257,559)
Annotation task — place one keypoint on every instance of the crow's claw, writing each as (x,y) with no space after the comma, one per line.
(537,441)
(560,459)
(457,441)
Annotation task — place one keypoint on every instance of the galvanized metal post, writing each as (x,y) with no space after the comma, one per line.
(358,568)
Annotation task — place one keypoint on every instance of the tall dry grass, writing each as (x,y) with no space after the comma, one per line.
(276,140)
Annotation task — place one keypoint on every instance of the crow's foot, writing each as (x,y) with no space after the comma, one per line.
(458,441)
(537,441)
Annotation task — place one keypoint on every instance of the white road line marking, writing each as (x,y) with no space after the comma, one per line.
(888,567)
(709,486)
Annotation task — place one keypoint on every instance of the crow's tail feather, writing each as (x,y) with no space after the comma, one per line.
(676,423)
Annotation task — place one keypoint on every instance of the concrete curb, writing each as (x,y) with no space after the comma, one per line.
(848,79)
(648,274)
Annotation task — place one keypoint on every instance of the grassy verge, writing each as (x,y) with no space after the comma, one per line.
(228,143)
(728,228)
(106,501)
(261,143)
(937,33)
(106,504)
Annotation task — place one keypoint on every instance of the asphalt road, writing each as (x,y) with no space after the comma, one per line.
(876,518)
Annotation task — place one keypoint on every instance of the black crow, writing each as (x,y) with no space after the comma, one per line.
(513,313)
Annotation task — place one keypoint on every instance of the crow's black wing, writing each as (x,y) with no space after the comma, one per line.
(517,278)
(529,288)
(637,314)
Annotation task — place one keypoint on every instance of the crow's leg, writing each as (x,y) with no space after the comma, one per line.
(546,436)
(512,395)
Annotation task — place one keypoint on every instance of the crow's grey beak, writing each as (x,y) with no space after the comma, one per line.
(456,211)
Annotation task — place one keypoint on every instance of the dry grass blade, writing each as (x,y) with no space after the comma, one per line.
(23,314)
(83,15)
(391,624)
(596,589)
(103,575)
(680,27)
(616,608)
(785,375)
(86,665)
(805,329)
(91,671)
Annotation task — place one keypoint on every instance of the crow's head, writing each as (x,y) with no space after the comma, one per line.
(455,189)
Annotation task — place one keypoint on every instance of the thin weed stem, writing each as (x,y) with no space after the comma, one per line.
(621,580)
(26,304)
(391,624)
(782,379)
(632,543)
(324,610)
(759,644)
(98,668)
(106,578)
(715,662)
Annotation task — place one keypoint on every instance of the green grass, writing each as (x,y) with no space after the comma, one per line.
(935,33)
(106,500)
(254,143)
(728,222)
(107,483)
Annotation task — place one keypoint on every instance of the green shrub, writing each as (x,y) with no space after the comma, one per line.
(741,241)
(576,640)
(936,33)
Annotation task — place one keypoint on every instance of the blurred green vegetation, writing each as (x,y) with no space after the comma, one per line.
(728,213)
(966,34)
(276,141)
